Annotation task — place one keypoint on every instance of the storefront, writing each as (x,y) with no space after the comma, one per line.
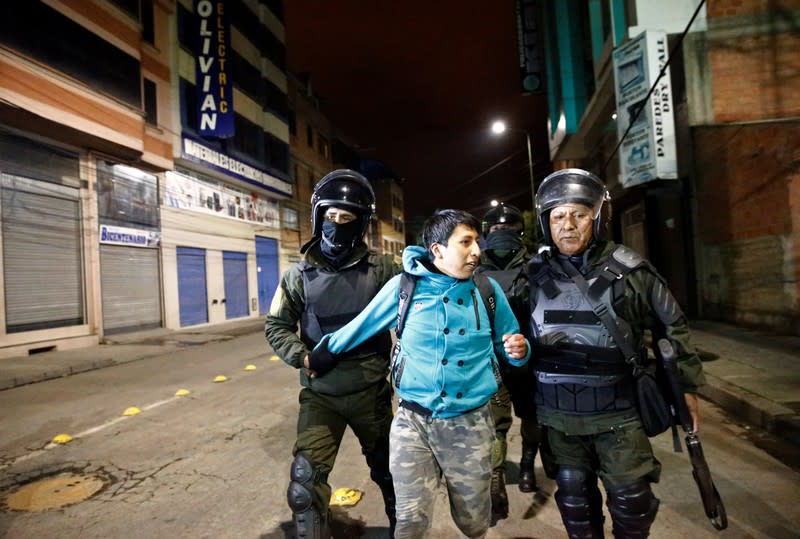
(41,237)
(130,237)
(220,227)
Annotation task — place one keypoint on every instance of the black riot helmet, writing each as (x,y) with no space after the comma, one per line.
(345,189)
(502,214)
(570,186)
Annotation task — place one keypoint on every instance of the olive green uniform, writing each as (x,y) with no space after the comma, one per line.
(517,381)
(608,441)
(637,309)
(356,393)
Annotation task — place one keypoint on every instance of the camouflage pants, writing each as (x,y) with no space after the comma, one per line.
(423,451)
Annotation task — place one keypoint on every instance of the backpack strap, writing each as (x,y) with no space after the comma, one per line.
(407,284)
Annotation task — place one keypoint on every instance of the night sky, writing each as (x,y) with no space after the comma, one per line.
(417,83)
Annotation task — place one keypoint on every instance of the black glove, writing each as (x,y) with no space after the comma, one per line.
(321,361)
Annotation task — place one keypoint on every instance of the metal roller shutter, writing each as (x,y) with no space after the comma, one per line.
(234,269)
(131,288)
(42,255)
(267,264)
(192,289)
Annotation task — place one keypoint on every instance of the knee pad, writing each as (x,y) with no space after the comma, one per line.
(633,508)
(579,502)
(300,494)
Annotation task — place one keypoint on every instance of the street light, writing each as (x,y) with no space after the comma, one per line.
(498,128)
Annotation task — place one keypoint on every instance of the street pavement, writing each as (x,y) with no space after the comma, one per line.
(752,375)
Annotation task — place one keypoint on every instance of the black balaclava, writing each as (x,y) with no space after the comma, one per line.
(339,239)
(502,245)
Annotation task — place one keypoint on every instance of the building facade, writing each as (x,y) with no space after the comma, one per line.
(221,208)
(142,188)
(702,161)
(82,146)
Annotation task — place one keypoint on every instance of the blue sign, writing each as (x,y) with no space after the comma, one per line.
(213,70)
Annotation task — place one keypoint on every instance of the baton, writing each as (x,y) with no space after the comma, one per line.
(712,502)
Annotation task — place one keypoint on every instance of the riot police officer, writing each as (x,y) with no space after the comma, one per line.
(590,300)
(336,279)
(505,259)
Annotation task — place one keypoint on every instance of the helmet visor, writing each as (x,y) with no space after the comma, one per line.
(568,187)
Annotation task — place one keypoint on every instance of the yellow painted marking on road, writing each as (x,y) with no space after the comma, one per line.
(62,439)
(133,410)
(274,358)
(181,392)
(53,444)
(221,378)
(250,367)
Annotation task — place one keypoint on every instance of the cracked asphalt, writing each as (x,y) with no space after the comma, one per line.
(215,463)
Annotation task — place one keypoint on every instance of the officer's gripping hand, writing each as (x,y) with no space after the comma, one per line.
(515,345)
(321,361)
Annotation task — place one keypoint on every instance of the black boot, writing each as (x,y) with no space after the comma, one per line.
(527,477)
(499,495)
(389,501)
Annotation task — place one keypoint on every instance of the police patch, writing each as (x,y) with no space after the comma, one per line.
(571,300)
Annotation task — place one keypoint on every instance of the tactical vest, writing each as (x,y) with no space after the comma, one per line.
(579,368)
(511,280)
(334,298)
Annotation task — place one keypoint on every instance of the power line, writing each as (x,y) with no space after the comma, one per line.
(653,87)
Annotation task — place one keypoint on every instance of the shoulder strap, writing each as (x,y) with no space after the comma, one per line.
(621,262)
(631,357)
(407,284)
(486,291)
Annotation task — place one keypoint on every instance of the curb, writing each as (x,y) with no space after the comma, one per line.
(750,408)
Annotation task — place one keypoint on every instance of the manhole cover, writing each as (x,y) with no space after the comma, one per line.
(54,492)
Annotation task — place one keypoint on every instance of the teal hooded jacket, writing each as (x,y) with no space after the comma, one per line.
(448,351)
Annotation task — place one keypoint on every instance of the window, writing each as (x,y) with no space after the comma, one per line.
(39,31)
(248,138)
(289,218)
(276,7)
(292,123)
(150,102)
(126,196)
(309,136)
(324,149)
(276,100)
(188,105)
(276,153)
(247,77)
(130,6)
(185,35)
(148,23)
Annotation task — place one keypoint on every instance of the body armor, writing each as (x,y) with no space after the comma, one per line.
(332,299)
(579,368)
(513,281)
